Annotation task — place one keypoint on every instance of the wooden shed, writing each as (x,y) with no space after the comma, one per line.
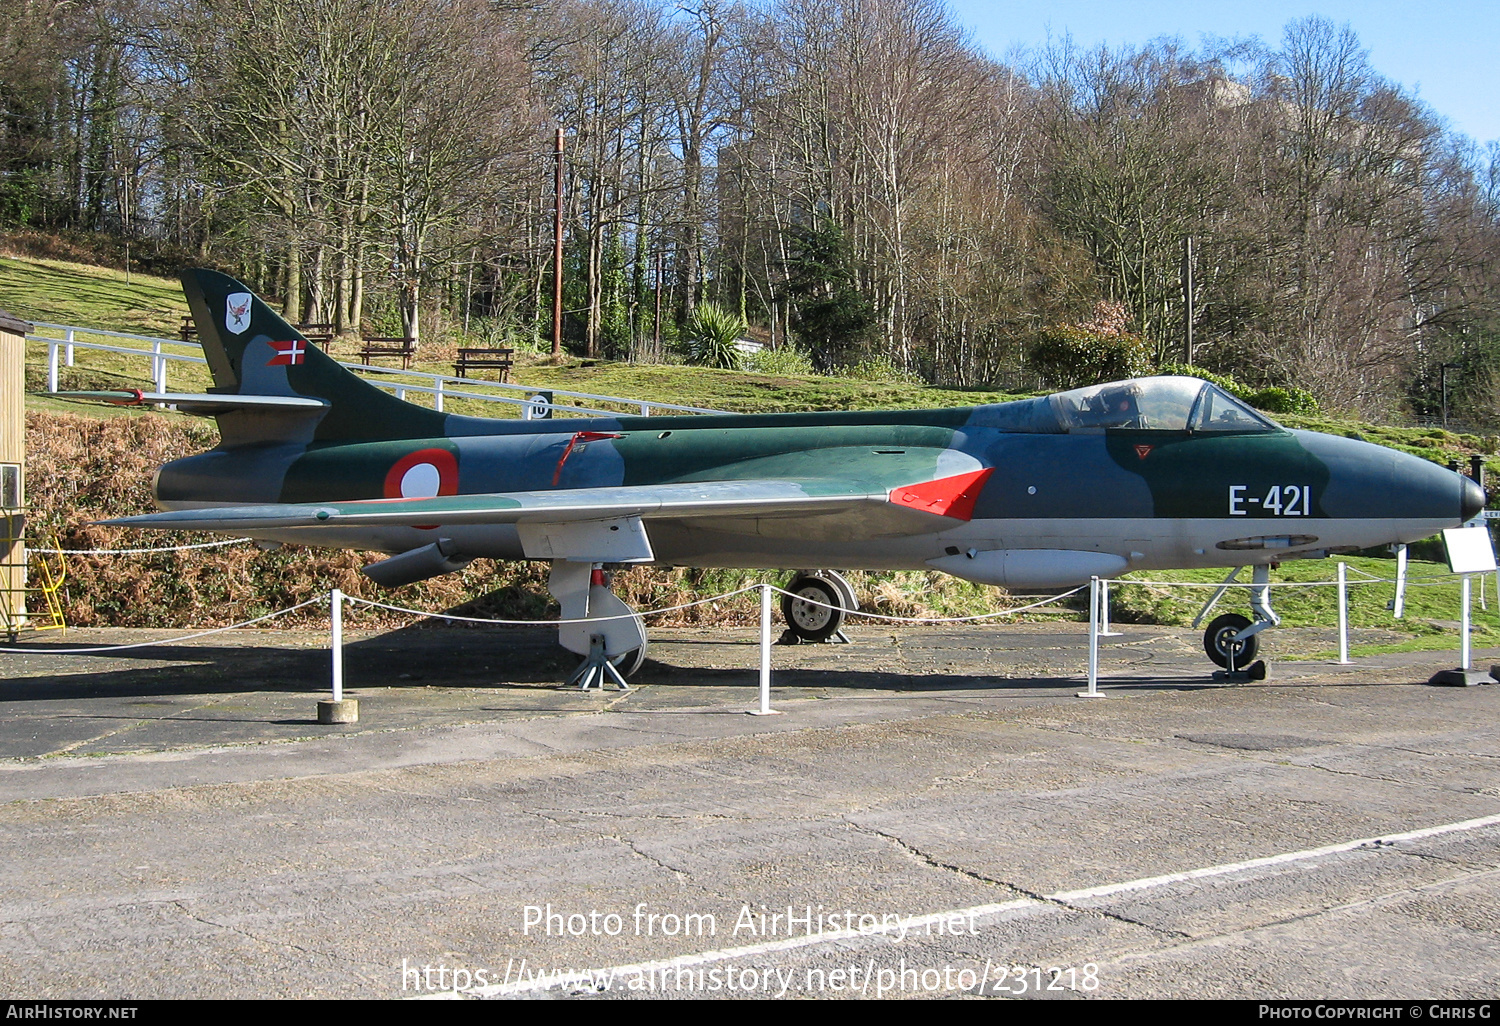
(12,471)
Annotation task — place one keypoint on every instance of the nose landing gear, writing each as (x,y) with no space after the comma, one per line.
(1231,640)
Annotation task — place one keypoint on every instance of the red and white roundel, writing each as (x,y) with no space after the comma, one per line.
(422,474)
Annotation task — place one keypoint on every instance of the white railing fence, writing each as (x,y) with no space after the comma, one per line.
(64,340)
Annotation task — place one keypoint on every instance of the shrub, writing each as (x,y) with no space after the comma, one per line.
(878,369)
(710,335)
(785,359)
(1286,399)
(1071,357)
(1277,399)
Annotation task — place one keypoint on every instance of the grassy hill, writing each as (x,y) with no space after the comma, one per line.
(57,292)
(89,462)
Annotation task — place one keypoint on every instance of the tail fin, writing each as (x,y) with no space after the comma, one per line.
(252,351)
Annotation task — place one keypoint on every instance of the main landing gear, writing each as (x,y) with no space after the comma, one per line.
(816,608)
(1232,640)
(612,648)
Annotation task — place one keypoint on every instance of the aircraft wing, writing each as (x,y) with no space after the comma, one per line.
(912,509)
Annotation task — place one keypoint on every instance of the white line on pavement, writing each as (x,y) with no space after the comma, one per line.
(543,981)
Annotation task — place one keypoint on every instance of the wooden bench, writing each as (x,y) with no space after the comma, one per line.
(381,345)
(320,335)
(468,359)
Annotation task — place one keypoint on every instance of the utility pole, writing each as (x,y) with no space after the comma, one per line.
(1443,373)
(656,317)
(557,254)
(125,218)
(1187,296)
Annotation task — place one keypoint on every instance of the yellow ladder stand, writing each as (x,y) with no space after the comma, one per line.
(50,571)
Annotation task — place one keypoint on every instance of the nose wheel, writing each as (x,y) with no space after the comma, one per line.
(1221,643)
(1232,640)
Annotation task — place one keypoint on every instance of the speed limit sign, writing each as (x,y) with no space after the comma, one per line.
(538,407)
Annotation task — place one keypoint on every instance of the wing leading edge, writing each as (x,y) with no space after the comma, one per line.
(911,509)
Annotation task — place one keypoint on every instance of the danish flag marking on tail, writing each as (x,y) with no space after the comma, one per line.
(289,352)
(237,312)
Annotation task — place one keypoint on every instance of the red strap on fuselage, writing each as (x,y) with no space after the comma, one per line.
(578,436)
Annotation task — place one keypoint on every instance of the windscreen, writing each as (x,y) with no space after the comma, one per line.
(1220,411)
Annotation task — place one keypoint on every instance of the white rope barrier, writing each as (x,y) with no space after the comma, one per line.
(716,598)
(1427,581)
(933,619)
(541,623)
(164,641)
(1097,619)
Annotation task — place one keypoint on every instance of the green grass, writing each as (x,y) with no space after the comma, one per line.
(70,293)
(64,293)
(1437,444)
(1431,613)
(747,393)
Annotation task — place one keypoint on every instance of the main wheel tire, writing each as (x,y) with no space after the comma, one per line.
(1219,643)
(814,611)
(626,665)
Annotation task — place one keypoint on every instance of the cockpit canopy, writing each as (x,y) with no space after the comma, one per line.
(1156,404)
(1140,404)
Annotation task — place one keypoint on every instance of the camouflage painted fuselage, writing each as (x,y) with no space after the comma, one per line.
(1112,500)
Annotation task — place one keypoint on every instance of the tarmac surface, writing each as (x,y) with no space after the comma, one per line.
(933,814)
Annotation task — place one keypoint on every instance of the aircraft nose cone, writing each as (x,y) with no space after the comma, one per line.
(1473,499)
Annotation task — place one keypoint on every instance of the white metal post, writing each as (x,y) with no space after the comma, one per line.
(1104,631)
(765,654)
(158,367)
(438,396)
(1463,605)
(1343,612)
(1093,691)
(1398,606)
(68,351)
(336,630)
(51,366)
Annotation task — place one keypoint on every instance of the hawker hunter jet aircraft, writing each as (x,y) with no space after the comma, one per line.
(1035,494)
